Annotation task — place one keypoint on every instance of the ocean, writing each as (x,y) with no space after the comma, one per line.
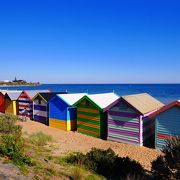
(163,92)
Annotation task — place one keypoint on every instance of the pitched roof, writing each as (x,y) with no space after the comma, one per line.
(71,98)
(165,108)
(48,95)
(144,103)
(32,93)
(103,100)
(5,91)
(13,95)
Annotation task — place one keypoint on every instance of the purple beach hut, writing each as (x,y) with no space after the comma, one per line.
(128,119)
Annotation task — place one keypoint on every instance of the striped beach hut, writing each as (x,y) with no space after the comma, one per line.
(62,114)
(129,121)
(41,106)
(92,114)
(11,103)
(167,123)
(25,102)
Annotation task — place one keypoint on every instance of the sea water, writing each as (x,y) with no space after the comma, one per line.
(163,92)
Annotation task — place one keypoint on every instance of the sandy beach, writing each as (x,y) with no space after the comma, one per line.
(72,142)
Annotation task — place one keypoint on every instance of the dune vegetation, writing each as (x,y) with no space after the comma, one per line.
(33,155)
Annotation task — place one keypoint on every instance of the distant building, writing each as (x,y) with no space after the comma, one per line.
(18,81)
(6,81)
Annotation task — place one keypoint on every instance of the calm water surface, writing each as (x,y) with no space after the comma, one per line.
(164,92)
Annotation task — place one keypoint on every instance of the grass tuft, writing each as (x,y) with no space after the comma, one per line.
(40,139)
(77,173)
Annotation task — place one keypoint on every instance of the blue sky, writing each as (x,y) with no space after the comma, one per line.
(90,41)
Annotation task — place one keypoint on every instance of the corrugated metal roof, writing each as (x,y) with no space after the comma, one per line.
(13,95)
(103,100)
(32,93)
(144,102)
(71,98)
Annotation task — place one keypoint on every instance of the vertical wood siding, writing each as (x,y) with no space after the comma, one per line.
(11,106)
(88,119)
(167,125)
(40,111)
(8,106)
(123,124)
(24,102)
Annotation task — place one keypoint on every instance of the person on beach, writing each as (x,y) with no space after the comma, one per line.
(25,112)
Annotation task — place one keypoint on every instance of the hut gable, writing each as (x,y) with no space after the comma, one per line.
(124,123)
(58,108)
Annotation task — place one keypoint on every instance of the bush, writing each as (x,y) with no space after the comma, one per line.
(13,149)
(106,163)
(11,142)
(40,139)
(168,165)
(8,125)
(76,158)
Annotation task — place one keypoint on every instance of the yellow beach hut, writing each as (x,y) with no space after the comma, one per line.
(11,105)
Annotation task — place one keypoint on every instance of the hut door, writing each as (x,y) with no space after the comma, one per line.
(71,113)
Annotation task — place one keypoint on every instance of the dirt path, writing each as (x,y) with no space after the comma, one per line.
(73,141)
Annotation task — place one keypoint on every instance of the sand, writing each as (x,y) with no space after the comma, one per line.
(72,142)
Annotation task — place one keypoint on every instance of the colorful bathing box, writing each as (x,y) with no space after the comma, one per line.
(2,100)
(11,103)
(25,103)
(167,123)
(129,121)
(62,113)
(92,114)
(41,106)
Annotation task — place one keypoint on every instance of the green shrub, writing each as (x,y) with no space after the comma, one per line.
(76,158)
(11,142)
(8,125)
(13,149)
(106,163)
(40,139)
(167,166)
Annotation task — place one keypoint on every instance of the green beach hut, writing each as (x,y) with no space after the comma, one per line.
(91,114)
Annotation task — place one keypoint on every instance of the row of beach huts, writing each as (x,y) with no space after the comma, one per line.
(136,119)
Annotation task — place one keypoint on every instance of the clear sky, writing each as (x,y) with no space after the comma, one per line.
(90,41)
